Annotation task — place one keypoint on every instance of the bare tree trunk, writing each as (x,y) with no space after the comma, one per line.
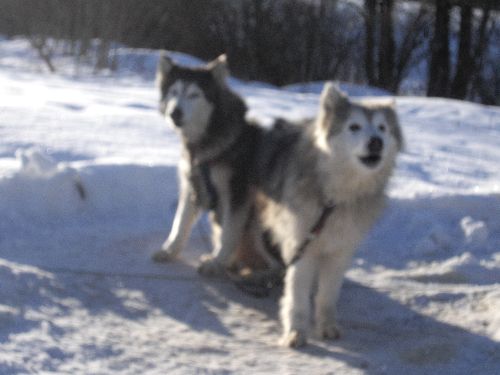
(387,46)
(440,53)
(40,45)
(479,84)
(465,63)
(482,35)
(414,37)
(370,21)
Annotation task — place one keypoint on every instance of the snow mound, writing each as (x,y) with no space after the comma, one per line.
(35,163)
(45,191)
(350,88)
(466,268)
(475,231)
(41,188)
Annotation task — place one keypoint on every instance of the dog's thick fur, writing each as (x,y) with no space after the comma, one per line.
(215,166)
(278,182)
(346,156)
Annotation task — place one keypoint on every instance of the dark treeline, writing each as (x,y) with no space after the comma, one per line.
(283,41)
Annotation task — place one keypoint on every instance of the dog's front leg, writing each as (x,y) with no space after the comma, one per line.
(233,224)
(186,214)
(331,274)
(296,303)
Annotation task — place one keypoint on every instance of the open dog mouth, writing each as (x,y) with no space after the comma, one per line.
(371,161)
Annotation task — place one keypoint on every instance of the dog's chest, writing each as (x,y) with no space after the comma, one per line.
(210,183)
(205,191)
(220,176)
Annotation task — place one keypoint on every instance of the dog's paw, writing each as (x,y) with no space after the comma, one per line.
(293,339)
(329,331)
(163,256)
(210,267)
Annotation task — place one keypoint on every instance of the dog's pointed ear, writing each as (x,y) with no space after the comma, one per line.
(219,69)
(333,97)
(334,109)
(165,65)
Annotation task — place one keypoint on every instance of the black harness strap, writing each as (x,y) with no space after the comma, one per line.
(209,186)
(313,232)
(205,165)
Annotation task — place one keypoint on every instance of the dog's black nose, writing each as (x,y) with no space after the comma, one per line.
(375,145)
(176,116)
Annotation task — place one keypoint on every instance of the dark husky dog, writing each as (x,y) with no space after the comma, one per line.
(216,164)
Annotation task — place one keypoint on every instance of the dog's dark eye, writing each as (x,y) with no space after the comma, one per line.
(355,127)
(382,128)
(194,95)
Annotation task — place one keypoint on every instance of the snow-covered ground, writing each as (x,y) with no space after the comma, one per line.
(88,191)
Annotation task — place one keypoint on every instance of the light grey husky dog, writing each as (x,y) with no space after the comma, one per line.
(320,188)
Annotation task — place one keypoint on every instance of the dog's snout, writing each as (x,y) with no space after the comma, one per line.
(176,116)
(375,145)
